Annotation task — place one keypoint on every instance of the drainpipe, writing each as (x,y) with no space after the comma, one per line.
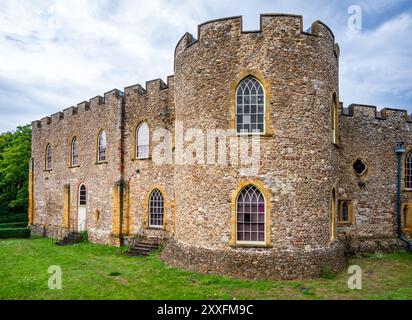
(400,150)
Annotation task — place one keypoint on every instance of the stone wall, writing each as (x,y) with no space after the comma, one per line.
(371,136)
(299,162)
(84,122)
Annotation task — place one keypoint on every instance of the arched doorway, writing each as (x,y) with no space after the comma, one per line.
(81,208)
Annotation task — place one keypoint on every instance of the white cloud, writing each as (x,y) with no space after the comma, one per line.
(57,53)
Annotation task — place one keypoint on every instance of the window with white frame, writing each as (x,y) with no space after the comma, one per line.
(102,146)
(156,209)
(250,107)
(142,141)
(408,170)
(75,152)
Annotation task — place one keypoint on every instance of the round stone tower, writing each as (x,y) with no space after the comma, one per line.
(296,177)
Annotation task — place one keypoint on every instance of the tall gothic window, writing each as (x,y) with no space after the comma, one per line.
(102,145)
(142,141)
(250,107)
(250,208)
(49,157)
(408,170)
(82,195)
(75,152)
(334,110)
(156,209)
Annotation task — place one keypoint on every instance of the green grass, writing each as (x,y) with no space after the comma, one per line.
(92,271)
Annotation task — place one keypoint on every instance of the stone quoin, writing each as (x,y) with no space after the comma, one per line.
(326,182)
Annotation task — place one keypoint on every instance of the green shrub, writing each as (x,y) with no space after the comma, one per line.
(14,233)
(13,225)
(327,272)
(114,273)
(85,236)
(13,217)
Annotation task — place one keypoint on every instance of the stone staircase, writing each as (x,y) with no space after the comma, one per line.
(70,238)
(142,247)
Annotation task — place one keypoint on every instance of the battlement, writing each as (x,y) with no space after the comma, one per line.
(283,24)
(81,108)
(372,112)
(151,87)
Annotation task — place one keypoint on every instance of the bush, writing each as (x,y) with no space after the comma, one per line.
(327,272)
(14,233)
(13,225)
(85,236)
(14,217)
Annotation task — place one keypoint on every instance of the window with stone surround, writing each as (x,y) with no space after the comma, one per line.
(102,147)
(250,210)
(49,157)
(408,170)
(406,218)
(250,107)
(142,141)
(334,110)
(74,152)
(345,212)
(156,209)
(82,195)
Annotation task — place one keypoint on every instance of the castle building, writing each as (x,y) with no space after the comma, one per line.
(326,181)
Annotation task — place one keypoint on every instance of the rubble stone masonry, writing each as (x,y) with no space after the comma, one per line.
(305,168)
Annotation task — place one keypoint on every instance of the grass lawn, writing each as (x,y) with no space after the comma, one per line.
(100,272)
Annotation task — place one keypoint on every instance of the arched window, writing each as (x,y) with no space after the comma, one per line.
(49,157)
(250,210)
(408,170)
(345,212)
(142,141)
(82,195)
(75,152)
(102,144)
(250,107)
(156,209)
(334,114)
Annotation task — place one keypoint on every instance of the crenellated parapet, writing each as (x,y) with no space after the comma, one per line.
(81,108)
(152,87)
(372,112)
(284,25)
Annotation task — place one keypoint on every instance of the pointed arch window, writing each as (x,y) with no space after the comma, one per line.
(49,157)
(335,120)
(156,209)
(142,141)
(408,170)
(250,107)
(102,147)
(82,195)
(251,215)
(74,152)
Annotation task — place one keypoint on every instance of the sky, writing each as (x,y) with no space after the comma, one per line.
(57,53)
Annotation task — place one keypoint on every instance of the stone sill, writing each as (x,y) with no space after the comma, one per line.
(72,167)
(142,159)
(100,163)
(252,245)
(156,228)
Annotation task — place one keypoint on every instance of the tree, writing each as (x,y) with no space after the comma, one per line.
(15,153)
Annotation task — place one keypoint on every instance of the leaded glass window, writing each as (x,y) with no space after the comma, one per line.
(75,152)
(408,170)
(156,209)
(250,215)
(82,195)
(250,107)
(49,157)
